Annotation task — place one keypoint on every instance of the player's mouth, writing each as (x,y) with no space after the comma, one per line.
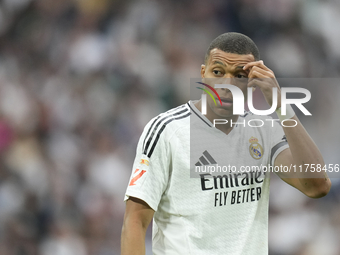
(226,102)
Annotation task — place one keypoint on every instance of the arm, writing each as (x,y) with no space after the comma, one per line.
(137,218)
(302,147)
(303,151)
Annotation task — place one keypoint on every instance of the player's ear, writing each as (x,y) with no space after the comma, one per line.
(202,70)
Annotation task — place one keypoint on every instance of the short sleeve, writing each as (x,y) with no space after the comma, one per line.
(279,142)
(150,170)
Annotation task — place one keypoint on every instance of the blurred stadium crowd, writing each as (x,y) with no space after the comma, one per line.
(79,79)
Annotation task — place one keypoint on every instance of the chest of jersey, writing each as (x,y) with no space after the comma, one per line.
(212,169)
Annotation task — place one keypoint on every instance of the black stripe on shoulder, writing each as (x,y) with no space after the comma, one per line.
(161,130)
(150,128)
(164,118)
(198,115)
(160,115)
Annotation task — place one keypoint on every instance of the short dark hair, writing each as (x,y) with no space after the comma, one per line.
(234,43)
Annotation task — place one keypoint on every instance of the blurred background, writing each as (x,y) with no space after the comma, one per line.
(79,79)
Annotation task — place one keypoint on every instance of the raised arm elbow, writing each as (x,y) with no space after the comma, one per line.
(321,189)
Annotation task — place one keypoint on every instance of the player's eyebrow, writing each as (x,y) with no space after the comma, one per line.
(218,63)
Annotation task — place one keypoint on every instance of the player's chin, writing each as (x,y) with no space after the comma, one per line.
(224,112)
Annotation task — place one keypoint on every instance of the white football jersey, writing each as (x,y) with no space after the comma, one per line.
(199,211)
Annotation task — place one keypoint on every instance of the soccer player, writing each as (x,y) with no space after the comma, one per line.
(225,213)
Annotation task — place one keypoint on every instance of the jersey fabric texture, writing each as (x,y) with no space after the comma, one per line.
(199,212)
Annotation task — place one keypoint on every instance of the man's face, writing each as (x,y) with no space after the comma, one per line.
(225,68)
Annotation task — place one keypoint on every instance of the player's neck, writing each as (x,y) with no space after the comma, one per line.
(211,116)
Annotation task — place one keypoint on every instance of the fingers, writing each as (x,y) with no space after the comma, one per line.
(261,83)
(261,76)
(256,63)
(258,72)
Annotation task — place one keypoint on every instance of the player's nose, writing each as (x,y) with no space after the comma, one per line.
(227,79)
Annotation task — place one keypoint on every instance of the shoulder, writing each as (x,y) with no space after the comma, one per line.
(163,126)
(170,120)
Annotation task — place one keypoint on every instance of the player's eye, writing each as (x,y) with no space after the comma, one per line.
(217,73)
(240,76)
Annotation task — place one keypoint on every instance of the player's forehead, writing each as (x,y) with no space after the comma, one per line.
(227,58)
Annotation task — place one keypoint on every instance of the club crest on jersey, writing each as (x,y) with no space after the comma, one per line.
(255,149)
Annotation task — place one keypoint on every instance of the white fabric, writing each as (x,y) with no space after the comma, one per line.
(202,215)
